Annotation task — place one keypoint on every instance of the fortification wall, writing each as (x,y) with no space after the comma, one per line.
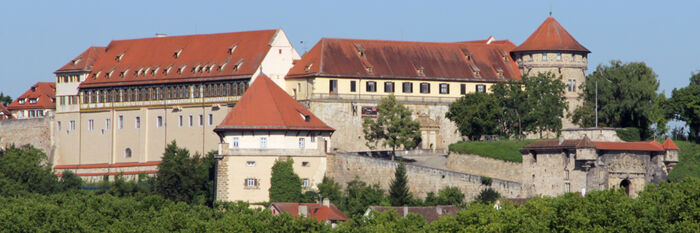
(345,167)
(346,117)
(483,166)
(35,131)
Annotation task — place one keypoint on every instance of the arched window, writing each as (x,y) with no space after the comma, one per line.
(127,153)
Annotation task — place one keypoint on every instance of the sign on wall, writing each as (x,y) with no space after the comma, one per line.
(369,111)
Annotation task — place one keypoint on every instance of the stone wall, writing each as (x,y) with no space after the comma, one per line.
(35,131)
(345,167)
(483,166)
(346,117)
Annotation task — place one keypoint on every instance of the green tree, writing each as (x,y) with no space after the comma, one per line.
(487,196)
(185,178)
(626,97)
(475,114)
(451,196)
(399,194)
(684,105)
(359,196)
(393,126)
(70,181)
(511,97)
(5,99)
(545,101)
(285,185)
(26,169)
(330,189)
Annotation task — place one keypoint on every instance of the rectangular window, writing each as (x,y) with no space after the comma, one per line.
(263,142)
(251,183)
(567,187)
(570,85)
(353,86)
(574,85)
(191,121)
(389,87)
(558,56)
(481,88)
(58,125)
(407,87)
(120,122)
(301,143)
(333,87)
(108,123)
(235,142)
(159,121)
(305,164)
(444,88)
(211,119)
(566,175)
(371,86)
(313,137)
(201,120)
(306,183)
(462,89)
(179,121)
(72,125)
(544,56)
(91,124)
(425,88)
(250,163)
(137,122)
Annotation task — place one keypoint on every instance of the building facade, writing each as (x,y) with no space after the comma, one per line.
(39,101)
(138,95)
(594,159)
(265,126)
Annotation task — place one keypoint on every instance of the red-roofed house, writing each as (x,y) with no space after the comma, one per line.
(266,125)
(344,79)
(594,159)
(4,113)
(38,101)
(322,212)
(122,103)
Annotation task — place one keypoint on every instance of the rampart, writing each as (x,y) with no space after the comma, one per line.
(483,166)
(35,131)
(345,167)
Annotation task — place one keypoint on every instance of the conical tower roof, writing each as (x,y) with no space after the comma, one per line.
(551,36)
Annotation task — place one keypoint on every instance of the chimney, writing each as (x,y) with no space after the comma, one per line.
(161,35)
(326,202)
(303,210)
(405,210)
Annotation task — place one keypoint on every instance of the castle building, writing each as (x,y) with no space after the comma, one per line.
(342,80)
(125,102)
(265,126)
(552,49)
(38,101)
(594,159)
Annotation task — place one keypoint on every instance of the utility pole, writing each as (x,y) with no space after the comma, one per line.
(596,103)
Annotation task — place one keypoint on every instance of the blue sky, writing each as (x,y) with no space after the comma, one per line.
(38,37)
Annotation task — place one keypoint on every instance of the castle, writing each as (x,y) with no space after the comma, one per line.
(117,107)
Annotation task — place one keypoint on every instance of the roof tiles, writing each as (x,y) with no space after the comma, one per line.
(4,113)
(265,106)
(83,62)
(551,36)
(186,58)
(459,61)
(669,145)
(430,213)
(586,143)
(43,92)
(315,210)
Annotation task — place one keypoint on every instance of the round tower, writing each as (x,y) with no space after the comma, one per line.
(552,49)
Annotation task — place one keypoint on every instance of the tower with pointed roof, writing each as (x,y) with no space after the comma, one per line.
(552,49)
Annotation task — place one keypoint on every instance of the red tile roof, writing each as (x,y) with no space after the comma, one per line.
(84,61)
(265,106)
(629,146)
(4,113)
(44,92)
(332,57)
(669,145)
(551,36)
(315,210)
(216,56)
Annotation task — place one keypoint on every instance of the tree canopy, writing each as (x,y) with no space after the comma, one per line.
(185,178)
(5,99)
(684,105)
(285,185)
(393,126)
(626,97)
(399,194)
(475,114)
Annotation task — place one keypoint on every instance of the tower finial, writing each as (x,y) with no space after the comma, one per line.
(550,9)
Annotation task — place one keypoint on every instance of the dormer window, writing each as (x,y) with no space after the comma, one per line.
(177,53)
(76,61)
(369,69)
(22,101)
(308,67)
(419,71)
(123,73)
(195,68)
(360,50)
(232,49)
(167,70)
(476,71)
(181,69)
(499,72)
(33,100)
(96,75)
(506,57)
(238,65)
(221,67)
(119,57)
(154,71)
(33,89)
(109,74)
(468,57)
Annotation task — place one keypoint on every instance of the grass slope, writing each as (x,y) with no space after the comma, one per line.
(689,161)
(507,150)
